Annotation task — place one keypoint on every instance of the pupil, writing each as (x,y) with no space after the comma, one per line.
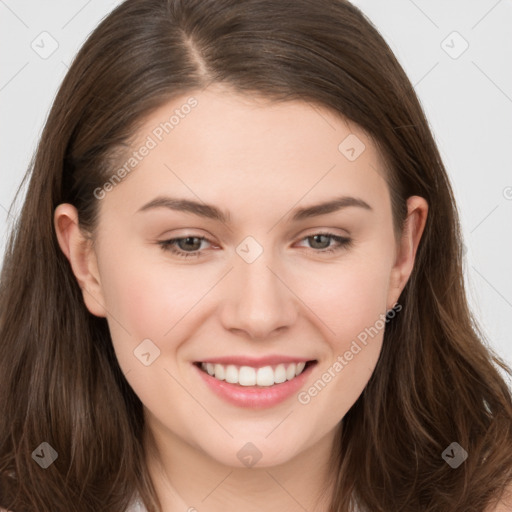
(315,237)
(189,240)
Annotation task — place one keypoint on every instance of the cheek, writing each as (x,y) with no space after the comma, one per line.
(154,300)
(149,302)
(148,299)
(351,302)
(360,321)
(347,297)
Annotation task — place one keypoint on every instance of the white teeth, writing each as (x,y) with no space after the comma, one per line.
(279,374)
(219,372)
(232,374)
(249,376)
(300,367)
(264,376)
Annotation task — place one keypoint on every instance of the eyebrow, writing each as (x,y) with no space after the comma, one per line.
(212,212)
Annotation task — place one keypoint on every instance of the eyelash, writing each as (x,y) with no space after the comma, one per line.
(170,245)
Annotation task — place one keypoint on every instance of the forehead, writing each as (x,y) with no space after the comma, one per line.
(220,146)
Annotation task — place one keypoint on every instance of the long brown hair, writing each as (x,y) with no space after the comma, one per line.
(437,380)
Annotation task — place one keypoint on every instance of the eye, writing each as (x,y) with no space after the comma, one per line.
(190,246)
(321,238)
(185,242)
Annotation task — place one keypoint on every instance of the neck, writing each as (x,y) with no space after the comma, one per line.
(187,478)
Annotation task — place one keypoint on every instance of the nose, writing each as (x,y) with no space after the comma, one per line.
(258,300)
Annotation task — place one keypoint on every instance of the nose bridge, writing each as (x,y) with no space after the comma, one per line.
(258,301)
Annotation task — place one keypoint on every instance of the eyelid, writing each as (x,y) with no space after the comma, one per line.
(341,242)
(317,231)
(298,237)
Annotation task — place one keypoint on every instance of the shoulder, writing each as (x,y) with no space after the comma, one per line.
(505,504)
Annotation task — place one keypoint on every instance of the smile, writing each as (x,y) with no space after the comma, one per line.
(250,376)
(267,383)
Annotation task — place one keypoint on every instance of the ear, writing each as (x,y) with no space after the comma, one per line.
(417,210)
(79,250)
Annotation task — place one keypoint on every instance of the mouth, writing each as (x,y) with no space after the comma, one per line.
(256,377)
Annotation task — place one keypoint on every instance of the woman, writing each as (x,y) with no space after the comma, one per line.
(312,350)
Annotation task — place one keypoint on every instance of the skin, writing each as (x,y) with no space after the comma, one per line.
(258,161)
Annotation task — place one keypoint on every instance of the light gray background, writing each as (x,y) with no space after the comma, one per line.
(467,97)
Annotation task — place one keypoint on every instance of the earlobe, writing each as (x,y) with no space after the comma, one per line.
(79,251)
(417,211)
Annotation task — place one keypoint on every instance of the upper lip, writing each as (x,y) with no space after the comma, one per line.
(255,362)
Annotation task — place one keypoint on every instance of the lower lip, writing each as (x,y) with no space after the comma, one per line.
(254,397)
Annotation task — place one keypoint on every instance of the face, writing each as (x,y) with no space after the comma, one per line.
(256,279)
